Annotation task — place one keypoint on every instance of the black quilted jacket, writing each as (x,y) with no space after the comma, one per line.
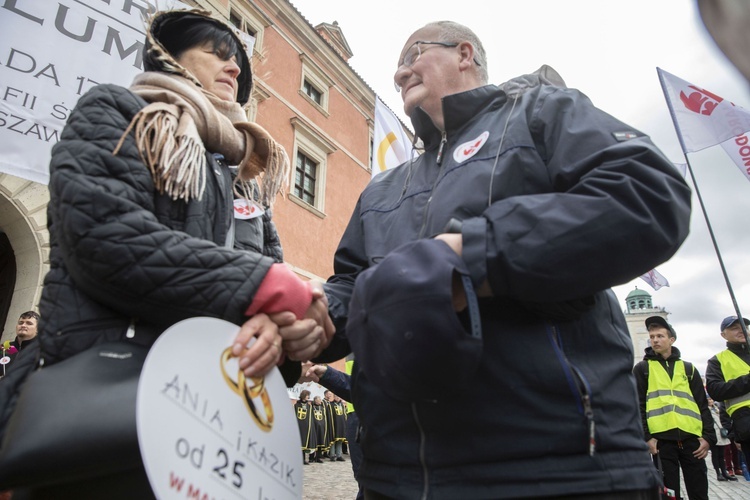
(121,253)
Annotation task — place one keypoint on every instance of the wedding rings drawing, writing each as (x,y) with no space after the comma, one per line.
(249,393)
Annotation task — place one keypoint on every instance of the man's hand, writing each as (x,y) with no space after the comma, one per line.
(306,338)
(652,446)
(315,373)
(702,450)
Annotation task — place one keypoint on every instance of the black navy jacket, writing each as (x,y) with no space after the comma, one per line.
(569,211)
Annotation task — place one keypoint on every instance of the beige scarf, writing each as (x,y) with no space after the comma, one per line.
(182,121)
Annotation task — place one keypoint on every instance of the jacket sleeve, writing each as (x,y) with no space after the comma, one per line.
(641,383)
(699,395)
(350,259)
(337,382)
(616,209)
(721,390)
(112,244)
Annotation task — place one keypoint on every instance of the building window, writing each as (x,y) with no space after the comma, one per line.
(304,178)
(250,22)
(312,92)
(241,24)
(315,84)
(311,150)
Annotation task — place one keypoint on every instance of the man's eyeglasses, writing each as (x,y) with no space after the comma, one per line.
(414,53)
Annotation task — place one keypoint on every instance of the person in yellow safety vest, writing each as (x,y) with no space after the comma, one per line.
(677,422)
(728,379)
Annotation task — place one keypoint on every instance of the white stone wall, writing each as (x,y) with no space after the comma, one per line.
(23,218)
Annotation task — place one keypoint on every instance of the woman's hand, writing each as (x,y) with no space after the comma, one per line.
(265,353)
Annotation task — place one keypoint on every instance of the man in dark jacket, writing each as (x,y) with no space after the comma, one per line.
(549,202)
(728,379)
(26,330)
(676,419)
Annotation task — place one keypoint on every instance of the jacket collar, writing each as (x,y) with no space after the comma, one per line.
(458,109)
(737,348)
(652,356)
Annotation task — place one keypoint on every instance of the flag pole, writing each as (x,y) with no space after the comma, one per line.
(703,209)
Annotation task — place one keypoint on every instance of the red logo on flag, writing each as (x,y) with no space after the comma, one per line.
(700,101)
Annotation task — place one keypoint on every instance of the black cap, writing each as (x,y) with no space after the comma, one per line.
(661,322)
(402,325)
(157,58)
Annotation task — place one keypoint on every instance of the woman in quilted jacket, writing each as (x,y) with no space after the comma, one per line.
(160,210)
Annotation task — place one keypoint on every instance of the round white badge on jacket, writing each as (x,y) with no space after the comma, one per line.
(469,148)
(207,431)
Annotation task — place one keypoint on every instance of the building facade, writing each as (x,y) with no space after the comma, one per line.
(310,100)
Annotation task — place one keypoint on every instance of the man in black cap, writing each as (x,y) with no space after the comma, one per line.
(728,378)
(677,422)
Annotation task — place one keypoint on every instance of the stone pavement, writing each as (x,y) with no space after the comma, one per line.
(334,481)
(722,490)
(329,481)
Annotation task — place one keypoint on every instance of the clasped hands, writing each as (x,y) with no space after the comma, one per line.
(281,335)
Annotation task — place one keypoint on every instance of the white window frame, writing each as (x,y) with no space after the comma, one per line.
(318,79)
(312,144)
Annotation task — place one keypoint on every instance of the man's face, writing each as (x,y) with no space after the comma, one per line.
(661,342)
(26,329)
(733,333)
(328,395)
(431,77)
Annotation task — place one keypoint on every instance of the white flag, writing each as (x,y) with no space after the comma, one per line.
(391,145)
(655,279)
(682,167)
(703,119)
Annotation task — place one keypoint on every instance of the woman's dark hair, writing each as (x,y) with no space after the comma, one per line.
(304,395)
(184,34)
(176,31)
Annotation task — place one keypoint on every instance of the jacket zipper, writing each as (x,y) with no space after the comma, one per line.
(582,390)
(443,142)
(131,329)
(422,460)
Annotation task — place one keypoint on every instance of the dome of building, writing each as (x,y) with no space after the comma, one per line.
(638,299)
(638,293)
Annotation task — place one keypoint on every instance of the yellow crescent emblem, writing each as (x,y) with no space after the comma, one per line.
(383,147)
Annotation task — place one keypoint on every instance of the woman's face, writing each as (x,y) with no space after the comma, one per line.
(216,75)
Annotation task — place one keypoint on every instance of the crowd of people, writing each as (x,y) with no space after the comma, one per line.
(683,419)
(489,258)
(322,426)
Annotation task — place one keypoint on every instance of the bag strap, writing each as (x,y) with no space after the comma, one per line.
(689,370)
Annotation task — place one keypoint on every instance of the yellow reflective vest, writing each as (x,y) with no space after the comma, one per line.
(669,402)
(732,366)
(349,365)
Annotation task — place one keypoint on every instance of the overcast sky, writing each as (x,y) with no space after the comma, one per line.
(609,51)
